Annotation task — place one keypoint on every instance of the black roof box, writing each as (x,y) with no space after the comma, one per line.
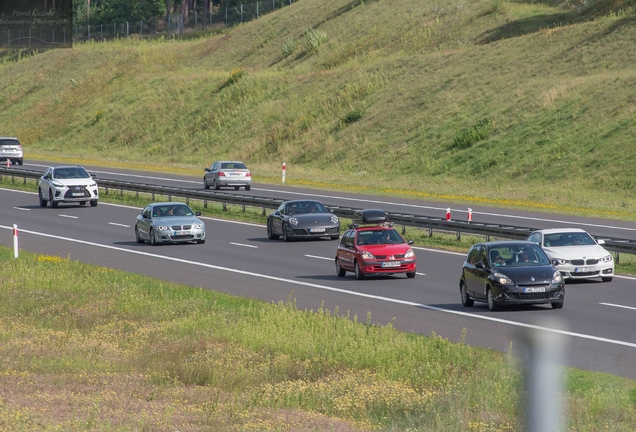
(369,216)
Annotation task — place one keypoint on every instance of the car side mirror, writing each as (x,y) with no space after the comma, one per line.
(600,241)
(350,245)
(410,242)
(277,213)
(555,262)
(197,213)
(480,265)
(93,176)
(145,216)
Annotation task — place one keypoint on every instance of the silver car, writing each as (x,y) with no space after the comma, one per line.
(11,150)
(67,184)
(227,174)
(169,222)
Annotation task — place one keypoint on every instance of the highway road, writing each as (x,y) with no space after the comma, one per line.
(597,321)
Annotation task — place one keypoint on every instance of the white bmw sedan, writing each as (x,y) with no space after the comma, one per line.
(67,184)
(576,254)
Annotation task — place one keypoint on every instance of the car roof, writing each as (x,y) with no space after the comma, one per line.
(373,228)
(166,203)
(11,138)
(301,200)
(228,161)
(506,243)
(560,230)
(68,166)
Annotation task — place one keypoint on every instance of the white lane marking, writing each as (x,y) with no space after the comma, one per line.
(625,277)
(421,274)
(244,245)
(618,306)
(440,251)
(118,224)
(68,216)
(23,209)
(339,290)
(371,201)
(319,257)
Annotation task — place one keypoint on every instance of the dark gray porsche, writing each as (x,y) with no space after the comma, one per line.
(302,219)
(510,272)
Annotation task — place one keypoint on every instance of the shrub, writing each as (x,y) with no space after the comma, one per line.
(467,137)
(312,39)
(353,116)
(289,46)
(235,76)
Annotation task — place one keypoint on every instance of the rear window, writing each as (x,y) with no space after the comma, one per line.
(9,142)
(233,165)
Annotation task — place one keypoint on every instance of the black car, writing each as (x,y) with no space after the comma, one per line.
(302,219)
(510,272)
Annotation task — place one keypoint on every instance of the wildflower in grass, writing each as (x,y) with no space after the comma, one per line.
(289,46)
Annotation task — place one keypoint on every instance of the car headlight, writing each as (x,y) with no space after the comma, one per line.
(503,279)
(334,218)
(293,221)
(561,261)
(161,228)
(57,185)
(367,255)
(606,259)
(557,278)
(409,254)
(197,226)
(92,185)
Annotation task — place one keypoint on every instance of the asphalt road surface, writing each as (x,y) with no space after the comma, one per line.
(596,323)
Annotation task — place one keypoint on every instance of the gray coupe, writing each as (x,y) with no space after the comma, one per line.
(302,219)
(169,222)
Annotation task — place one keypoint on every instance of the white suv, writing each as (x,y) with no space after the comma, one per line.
(70,183)
(11,149)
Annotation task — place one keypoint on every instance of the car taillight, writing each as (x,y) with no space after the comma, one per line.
(20,146)
(221,174)
(249,174)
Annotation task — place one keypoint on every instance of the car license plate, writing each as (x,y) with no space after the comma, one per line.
(78,194)
(534,289)
(316,230)
(181,233)
(391,264)
(584,269)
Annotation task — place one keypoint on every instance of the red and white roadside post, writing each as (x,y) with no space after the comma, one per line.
(284,169)
(470,215)
(15,241)
(448,215)
(8,163)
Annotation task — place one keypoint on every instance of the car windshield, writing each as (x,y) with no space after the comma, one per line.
(70,173)
(305,207)
(9,143)
(381,236)
(233,165)
(568,239)
(171,210)
(517,256)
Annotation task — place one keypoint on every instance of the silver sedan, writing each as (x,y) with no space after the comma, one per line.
(227,174)
(169,222)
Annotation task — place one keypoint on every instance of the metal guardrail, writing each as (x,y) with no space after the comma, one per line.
(418,221)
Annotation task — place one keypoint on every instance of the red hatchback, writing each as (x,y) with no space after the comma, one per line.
(371,246)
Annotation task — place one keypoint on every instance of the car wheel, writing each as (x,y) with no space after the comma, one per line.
(410,275)
(339,270)
(20,162)
(270,232)
(206,186)
(286,236)
(94,203)
(82,203)
(153,240)
(215,186)
(248,188)
(139,239)
(42,200)
(466,300)
(557,305)
(200,241)
(53,202)
(607,279)
(358,273)
(492,305)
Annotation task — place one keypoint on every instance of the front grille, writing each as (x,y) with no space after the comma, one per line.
(72,190)
(181,227)
(591,261)
(578,262)
(534,296)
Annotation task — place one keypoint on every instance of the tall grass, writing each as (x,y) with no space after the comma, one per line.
(86,348)
(554,80)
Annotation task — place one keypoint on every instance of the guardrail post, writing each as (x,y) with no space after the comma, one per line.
(243,208)
(263,213)
(205,203)
(224,207)
(105,191)
(618,258)
(137,194)
(153,196)
(169,197)
(430,232)
(403,229)
(459,236)
(121,192)
(187,201)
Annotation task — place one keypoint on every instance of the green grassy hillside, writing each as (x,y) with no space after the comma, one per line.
(513,102)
